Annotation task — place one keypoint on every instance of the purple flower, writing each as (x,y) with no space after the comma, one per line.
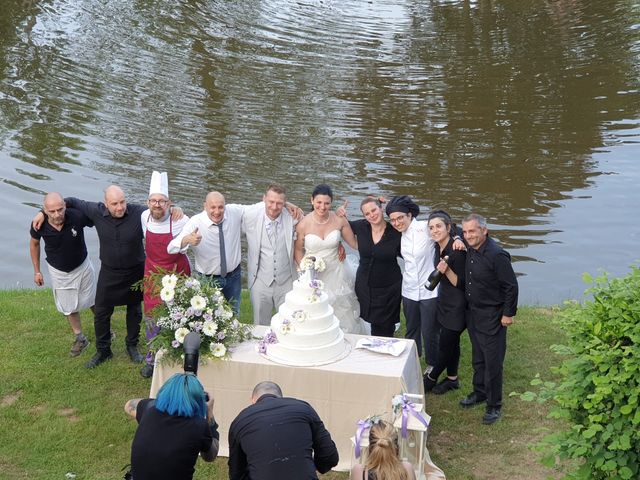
(175,344)
(149,358)
(220,335)
(207,317)
(152,331)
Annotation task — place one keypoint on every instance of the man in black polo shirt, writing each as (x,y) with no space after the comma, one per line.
(279,438)
(492,297)
(72,276)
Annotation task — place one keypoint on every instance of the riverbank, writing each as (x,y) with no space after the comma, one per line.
(59,418)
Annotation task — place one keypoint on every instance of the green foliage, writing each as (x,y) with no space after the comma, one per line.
(597,395)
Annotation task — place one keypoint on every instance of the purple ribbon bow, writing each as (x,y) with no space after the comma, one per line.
(409,408)
(362,426)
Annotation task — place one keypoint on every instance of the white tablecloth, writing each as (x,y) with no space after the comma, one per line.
(343,392)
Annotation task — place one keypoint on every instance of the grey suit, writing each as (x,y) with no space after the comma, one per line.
(270,265)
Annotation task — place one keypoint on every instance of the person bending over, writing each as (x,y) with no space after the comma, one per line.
(383,461)
(172,430)
(279,438)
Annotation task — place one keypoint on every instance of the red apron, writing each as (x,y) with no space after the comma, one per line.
(157,257)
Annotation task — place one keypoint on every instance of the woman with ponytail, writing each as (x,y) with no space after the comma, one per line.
(383,461)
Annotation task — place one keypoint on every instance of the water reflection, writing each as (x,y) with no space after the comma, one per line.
(502,107)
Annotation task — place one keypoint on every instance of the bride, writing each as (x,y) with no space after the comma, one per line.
(319,234)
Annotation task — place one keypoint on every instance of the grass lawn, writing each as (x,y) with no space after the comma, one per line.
(57,417)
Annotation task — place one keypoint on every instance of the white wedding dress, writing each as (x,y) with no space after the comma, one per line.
(338,283)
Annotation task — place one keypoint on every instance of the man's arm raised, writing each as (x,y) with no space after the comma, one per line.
(188,236)
(194,238)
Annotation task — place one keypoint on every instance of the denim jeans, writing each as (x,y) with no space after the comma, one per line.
(231,286)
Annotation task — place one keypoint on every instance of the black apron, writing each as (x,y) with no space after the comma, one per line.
(114,286)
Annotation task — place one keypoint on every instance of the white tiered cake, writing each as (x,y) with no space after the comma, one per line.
(305,331)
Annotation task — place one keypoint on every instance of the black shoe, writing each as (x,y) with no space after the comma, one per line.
(428,383)
(472,400)
(147,370)
(98,359)
(134,354)
(445,385)
(491,416)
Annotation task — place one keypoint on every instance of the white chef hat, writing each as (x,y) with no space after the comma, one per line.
(159,184)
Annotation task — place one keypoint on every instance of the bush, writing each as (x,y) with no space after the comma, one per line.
(597,394)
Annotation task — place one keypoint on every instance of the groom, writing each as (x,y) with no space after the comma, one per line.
(269,228)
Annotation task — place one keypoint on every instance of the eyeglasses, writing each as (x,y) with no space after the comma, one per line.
(398,219)
(160,203)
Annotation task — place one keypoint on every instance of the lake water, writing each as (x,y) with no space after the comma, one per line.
(526,112)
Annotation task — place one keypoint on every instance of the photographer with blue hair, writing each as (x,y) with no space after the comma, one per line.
(172,430)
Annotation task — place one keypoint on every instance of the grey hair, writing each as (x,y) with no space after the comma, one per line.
(265,387)
(482,222)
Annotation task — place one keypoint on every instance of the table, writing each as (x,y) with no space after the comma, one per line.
(342,393)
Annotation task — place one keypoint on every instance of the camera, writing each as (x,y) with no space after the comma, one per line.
(191,348)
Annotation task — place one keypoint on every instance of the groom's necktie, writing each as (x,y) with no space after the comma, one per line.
(223,254)
(273,225)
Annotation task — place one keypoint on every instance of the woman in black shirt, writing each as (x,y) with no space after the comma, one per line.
(173,429)
(451,304)
(378,279)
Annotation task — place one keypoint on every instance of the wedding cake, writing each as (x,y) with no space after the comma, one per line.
(305,331)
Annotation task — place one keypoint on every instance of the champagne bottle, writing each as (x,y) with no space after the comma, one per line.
(435,277)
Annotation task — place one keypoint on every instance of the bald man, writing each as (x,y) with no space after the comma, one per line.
(214,237)
(122,264)
(277,438)
(73,279)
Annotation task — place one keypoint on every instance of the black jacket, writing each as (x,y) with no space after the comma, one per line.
(491,286)
(279,438)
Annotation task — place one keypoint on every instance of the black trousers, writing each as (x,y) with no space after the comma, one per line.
(448,355)
(422,325)
(383,330)
(487,358)
(102,325)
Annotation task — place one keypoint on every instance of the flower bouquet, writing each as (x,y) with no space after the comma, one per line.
(190,305)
